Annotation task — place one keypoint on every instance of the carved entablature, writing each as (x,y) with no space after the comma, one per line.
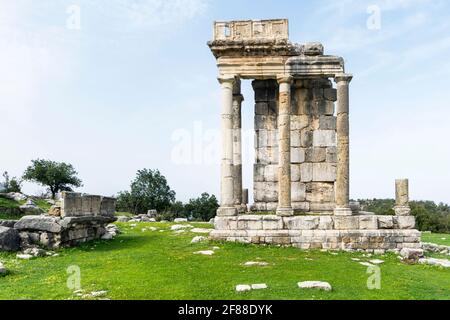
(251,30)
(260,49)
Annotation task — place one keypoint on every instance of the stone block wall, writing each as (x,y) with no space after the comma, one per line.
(313,145)
(76,204)
(368,233)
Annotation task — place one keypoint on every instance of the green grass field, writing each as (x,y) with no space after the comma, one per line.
(438,238)
(161,265)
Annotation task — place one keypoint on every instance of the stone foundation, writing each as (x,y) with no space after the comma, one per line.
(364,232)
(53,232)
(80,218)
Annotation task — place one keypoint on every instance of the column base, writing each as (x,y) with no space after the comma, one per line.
(285,212)
(343,212)
(402,210)
(227,211)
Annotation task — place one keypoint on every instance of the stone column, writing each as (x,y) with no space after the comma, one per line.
(237,144)
(227,207)
(402,198)
(343,150)
(284,146)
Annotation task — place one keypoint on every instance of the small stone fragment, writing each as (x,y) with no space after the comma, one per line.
(259,286)
(320,285)
(256,263)
(243,287)
(205,252)
(198,239)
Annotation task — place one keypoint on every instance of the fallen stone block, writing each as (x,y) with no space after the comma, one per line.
(435,262)
(198,239)
(205,252)
(259,286)
(315,285)
(243,287)
(256,263)
(9,239)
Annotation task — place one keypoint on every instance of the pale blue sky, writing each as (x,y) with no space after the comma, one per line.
(109,98)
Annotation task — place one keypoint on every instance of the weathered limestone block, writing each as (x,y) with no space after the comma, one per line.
(368,223)
(267,155)
(225,223)
(265,122)
(259,206)
(107,206)
(272,138)
(9,239)
(297,155)
(330,94)
(306,138)
(271,206)
(405,222)
(346,223)
(324,138)
(299,122)
(298,192)
(327,123)
(326,223)
(331,155)
(324,172)
(402,210)
(261,138)
(306,172)
(320,192)
(271,173)
(266,191)
(301,206)
(295,172)
(317,93)
(258,172)
(316,154)
(302,223)
(324,107)
(272,222)
(321,206)
(71,204)
(385,222)
(295,138)
(43,223)
(249,223)
(313,49)
(262,108)
(90,205)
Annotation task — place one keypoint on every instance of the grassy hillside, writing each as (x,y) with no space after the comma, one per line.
(145,264)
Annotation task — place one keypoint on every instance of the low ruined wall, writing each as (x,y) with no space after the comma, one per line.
(80,218)
(77,204)
(321,232)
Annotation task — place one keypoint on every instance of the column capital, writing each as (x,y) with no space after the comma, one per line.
(343,77)
(230,80)
(284,78)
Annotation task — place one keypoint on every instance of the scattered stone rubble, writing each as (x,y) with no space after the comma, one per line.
(435,248)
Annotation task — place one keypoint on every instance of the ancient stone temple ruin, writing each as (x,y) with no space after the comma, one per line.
(301,174)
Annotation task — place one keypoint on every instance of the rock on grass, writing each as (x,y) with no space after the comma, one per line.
(320,285)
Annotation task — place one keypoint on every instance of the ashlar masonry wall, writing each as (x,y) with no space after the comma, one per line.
(313,145)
